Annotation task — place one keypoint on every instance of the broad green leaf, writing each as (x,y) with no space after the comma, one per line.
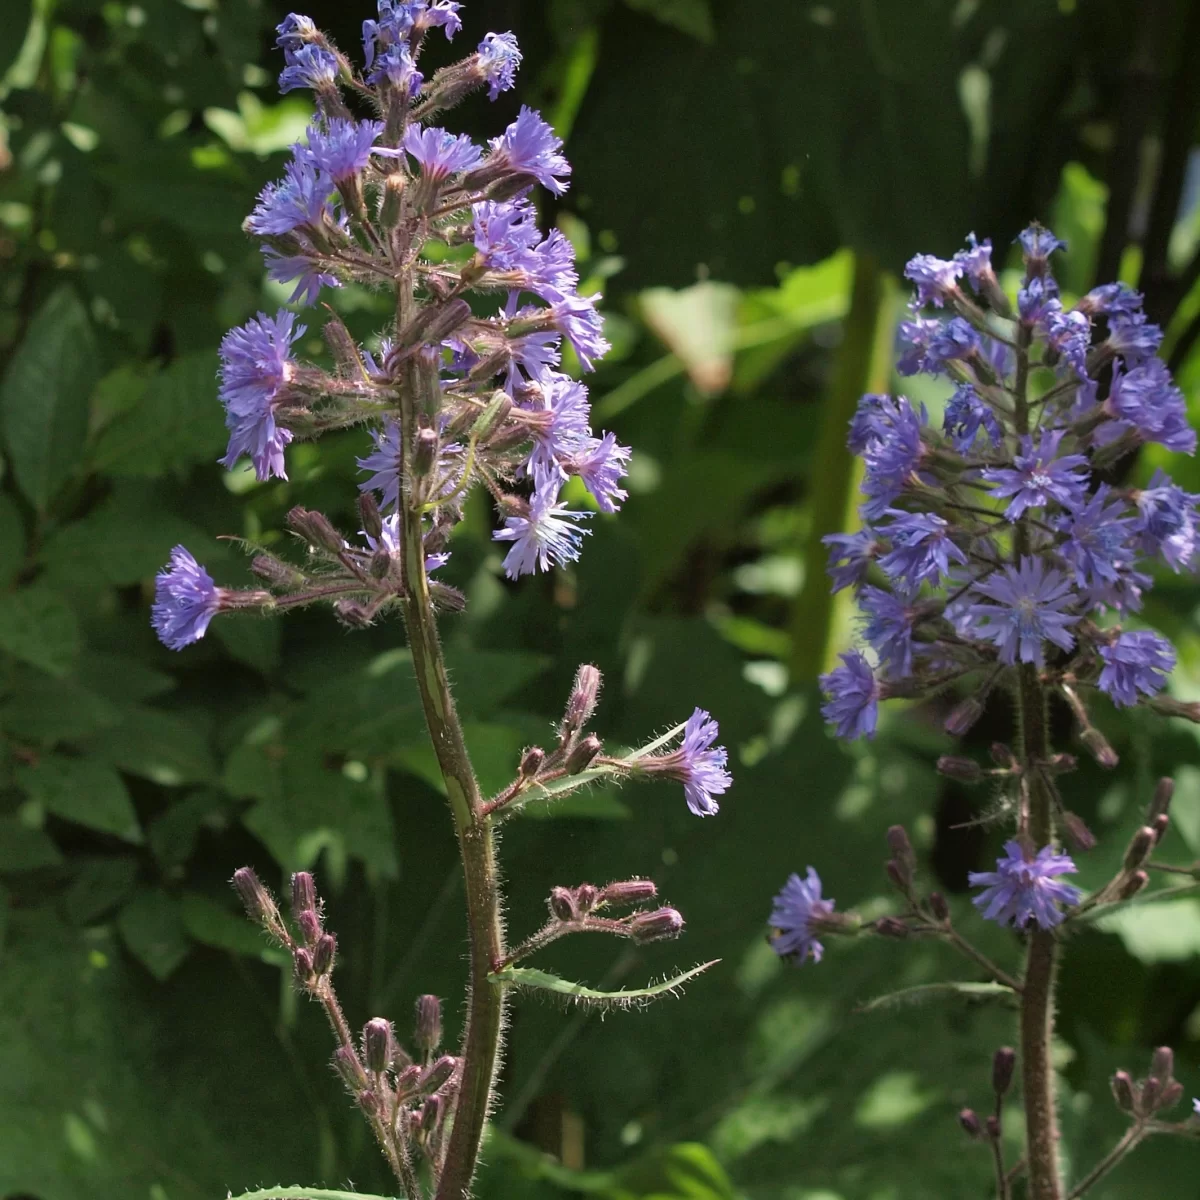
(84,791)
(100,885)
(252,639)
(172,835)
(260,128)
(544,981)
(151,925)
(44,397)
(37,626)
(12,541)
(212,925)
(25,849)
(164,747)
(697,325)
(925,993)
(1168,931)
(44,709)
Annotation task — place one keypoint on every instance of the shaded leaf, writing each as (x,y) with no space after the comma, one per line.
(99,886)
(151,925)
(697,324)
(12,541)
(84,791)
(25,849)
(925,993)
(46,709)
(163,747)
(37,626)
(212,925)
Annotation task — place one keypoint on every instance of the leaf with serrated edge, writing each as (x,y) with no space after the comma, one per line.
(544,981)
(932,991)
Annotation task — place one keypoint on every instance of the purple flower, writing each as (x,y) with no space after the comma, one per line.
(399,20)
(1038,243)
(1196,1107)
(893,456)
(1133,337)
(955,340)
(976,261)
(1039,295)
(1069,333)
(544,536)
(850,556)
(256,367)
(1029,611)
(505,232)
(922,549)
(1097,545)
(601,464)
(1039,476)
(560,424)
(439,152)
(936,278)
(1111,298)
(185,600)
(577,320)
(965,415)
(396,66)
(309,67)
(530,147)
(498,59)
(342,148)
(310,279)
(1021,889)
(853,694)
(697,764)
(384,461)
(1138,661)
(301,197)
(888,628)
(1166,520)
(912,341)
(294,31)
(796,917)
(1152,406)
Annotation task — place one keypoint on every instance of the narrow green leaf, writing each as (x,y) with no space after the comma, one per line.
(44,397)
(926,992)
(303,1193)
(529,977)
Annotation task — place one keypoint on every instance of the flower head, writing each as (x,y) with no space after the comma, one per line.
(546,535)
(1038,243)
(440,153)
(1166,520)
(850,556)
(601,464)
(1136,661)
(530,147)
(498,58)
(1031,603)
(185,601)
(300,198)
(1040,475)
(578,320)
(309,67)
(798,909)
(697,764)
(342,147)
(889,621)
(384,461)
(294,32)
(1023,889)
(852,697)
(922,549)
(1148,403)
(1133,337)
(310,279)
(256,367)
(966,416)
(936,278)
(976,261)
(505,232)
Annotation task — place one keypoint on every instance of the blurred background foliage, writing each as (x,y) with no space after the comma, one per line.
(748,183)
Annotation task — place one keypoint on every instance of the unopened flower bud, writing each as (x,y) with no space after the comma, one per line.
(408,1081)
(343,347)
(377,1045)
(1163,1063)
(1002,756)
(346,1063)
(438,1074)
(1163,793)
(1133,885)
(582,702)
(629,891)
(938,906)
(1140,847)
(993,1127)
(391,207)
(1003,1063)
(433,1112)
(1061,764)
(1081,837)
(965,770)
(1171,1095)
(368,511)
(656,926)
(260,906)
(585,897)
(277,573)
(968,1118)
(304,893)
(1098,747)
(581,756)
(353,614)
(380,565)
(1150,1094)
(493,416)
(562,903)
(891,927)
(323,954)
(302,964)
(531,762)
(368,1101)
(427,1031)
(424,452)
(432,325)
(963,716)
(310,927)
(1160,824)
(315,529)
(1122,1090)
(901,847)
(900,879)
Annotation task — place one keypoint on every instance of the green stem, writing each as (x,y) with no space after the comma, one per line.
(476,840)
(1133,1135)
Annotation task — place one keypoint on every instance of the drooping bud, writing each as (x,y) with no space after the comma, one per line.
(582,701)
(346,1063)
(343,348)
(408,1081)
(1140,847)
(315,529)
(438,1074)
(277,573)
(323,954)
(1081,837)
(304,894)
(1161,802)
(310,927)
(531,762)
(656,926)
(427,1029)
(581,756)
(424,452)
(1098,747)
(377,1045)
(1061,764)
(1163,1063)
(1122,1090)
(562,903)
(938,906)
(965,770)
(1133,885)
(260,905)
(963,716)
(968,1118)
(353,614)
(629,891)
(891,927)
(368,511)
(1003,1063)
(1003,756)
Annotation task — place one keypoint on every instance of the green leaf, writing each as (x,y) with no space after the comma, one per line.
(151,925)
(84,791)
(12,541)
(25,849)
(1166,931)
(212,925)
(99,887)
(37,626)
(926,992)
(47,710)
(166,748)
(529,977)
(697,325)
(44,397)
(693,17)
(303,1193)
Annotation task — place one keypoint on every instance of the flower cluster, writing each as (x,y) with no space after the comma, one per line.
(995,540)
(366,201)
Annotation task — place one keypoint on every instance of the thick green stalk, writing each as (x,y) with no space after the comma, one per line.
(476,839)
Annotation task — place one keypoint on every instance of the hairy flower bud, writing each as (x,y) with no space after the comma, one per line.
(901,847)
(310,927)
(391,206)
(424,452)
(531,762)
(585,897)
(1003,1063)
(1160,825)
(302,964)
(1162,1063)
(1172,1093)
(277,573)
(433,1113)
(432,325)
(408,1081)
(1081,837)
(891,927)
(368,511)
(581,756)
(315,529)
(562,904)
(1163,792)
(582,701)
(260,905)
(377,1045)
(346,1063)
(900,879)
(968,1118)
(492,418)
(427,1030)
(938,906)
(439,1074)
(1122,1090)
(629,891)
(992,1125)
(1133,885)
(323,954)
(1140,848)
(342,347)
(368,1101)
(1061,764)
(659,925)
(1150,1094)
(304,894)
(963,716)
(1098,747)
(965,770)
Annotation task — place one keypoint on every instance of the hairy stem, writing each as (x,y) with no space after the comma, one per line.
(485,1010)
(1133,1135)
